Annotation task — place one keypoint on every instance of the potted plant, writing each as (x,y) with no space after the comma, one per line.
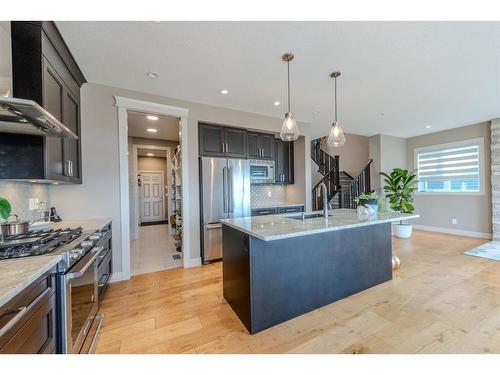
(399,190)
(371,200)
(5,208)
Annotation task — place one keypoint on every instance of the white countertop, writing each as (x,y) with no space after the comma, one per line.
(276,227)
(86,224)
(17,274)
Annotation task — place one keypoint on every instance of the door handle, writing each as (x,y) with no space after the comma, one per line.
(224,188)
(230,190)
(80,272)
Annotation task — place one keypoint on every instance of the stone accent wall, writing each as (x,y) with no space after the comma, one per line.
(495,177)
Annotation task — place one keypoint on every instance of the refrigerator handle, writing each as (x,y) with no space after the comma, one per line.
(224,189)
(230,190)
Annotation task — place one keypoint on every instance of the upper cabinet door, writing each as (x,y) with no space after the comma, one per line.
(71,147)
(53,93)
(211,140)
(284,164)
(235,142)
(253,143)
(260,146)
(288,163)
(267,145)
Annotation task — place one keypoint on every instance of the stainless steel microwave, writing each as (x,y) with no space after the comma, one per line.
(262,172)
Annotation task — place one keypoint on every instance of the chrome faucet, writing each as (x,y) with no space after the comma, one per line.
(325,199)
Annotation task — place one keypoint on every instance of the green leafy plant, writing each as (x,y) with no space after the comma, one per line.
(367,196)
(5,208)
(400,189)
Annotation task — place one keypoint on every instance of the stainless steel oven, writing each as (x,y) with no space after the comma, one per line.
(262,172)
(80,299)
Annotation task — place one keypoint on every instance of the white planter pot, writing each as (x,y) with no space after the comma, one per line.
(402,230)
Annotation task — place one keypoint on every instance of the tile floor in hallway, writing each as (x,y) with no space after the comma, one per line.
(154,250)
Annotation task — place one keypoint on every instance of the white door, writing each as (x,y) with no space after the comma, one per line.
(151,197)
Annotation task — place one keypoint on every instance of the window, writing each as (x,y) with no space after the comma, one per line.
(451,168)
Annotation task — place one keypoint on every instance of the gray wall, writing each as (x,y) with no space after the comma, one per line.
(473,212)
(374,144)
(387,152)
(354,155)
(98,196)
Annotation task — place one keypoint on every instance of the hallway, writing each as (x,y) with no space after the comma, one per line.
(154,250)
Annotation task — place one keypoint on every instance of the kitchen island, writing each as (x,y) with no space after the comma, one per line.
(278,267)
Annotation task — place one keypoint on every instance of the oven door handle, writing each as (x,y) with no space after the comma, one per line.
(80,271)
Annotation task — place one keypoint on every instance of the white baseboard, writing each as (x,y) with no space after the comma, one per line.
(118,276)
(459,232)
(190,263)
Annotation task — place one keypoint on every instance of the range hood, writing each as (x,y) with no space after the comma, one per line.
(24,116)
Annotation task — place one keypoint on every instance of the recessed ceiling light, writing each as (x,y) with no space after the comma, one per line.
(152,75)
(150,154)
(152,118)
(151,130)
(224,91)
(315,112)
(428,126)
(276,103)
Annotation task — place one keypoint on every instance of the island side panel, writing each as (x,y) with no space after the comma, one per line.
(236,272)
(293,276)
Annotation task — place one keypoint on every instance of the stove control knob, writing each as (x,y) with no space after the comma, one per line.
(95,236)
(74,255)
(86,244)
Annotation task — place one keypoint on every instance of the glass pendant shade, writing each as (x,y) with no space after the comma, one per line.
(289,130)
(336,138)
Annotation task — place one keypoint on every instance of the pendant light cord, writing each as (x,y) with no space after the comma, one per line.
(288,73)
(335,99)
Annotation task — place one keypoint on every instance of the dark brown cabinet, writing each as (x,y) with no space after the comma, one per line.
(44,70)
(260,146)
(283,162)
(216,140)
(28,322)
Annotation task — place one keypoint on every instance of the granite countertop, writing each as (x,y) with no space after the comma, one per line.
(276,227)
(17,274)
(283,205)
(86,224)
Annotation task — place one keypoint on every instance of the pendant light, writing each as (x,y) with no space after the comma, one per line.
(289,130)
(336,138)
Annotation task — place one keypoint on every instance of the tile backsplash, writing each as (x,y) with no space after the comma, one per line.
(19,193)
(267,195)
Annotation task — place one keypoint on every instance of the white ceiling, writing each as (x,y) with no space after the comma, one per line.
(167,128)
(396,78)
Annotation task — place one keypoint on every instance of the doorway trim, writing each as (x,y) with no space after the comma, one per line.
(125,104)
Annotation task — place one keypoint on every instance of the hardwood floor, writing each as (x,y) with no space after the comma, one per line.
(439,301)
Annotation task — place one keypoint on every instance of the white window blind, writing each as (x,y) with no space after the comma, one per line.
(450,168)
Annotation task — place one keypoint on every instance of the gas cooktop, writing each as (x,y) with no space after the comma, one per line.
(40,243)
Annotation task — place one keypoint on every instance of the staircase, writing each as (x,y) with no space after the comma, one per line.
(341,187)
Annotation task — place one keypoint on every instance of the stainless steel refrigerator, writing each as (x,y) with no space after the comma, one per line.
(225,194)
